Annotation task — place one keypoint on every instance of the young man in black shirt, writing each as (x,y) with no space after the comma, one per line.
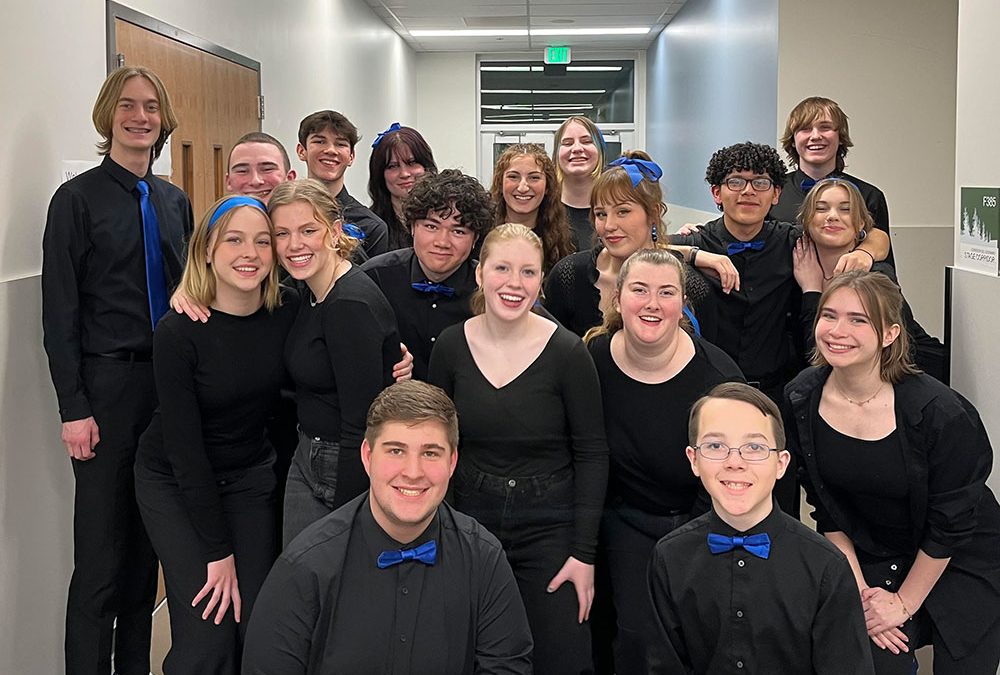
(816,140)
(395,581)
(326,144)
(430,285)
(257,163)
(746,588)
(113,247)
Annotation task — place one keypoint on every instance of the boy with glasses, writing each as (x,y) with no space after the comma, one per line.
(746,588)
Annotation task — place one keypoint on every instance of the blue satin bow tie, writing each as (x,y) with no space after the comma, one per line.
(378,139)
(352,230)
(433,288)
(425,553)
(740,246)
(807,184)
(637,169)
(756,544)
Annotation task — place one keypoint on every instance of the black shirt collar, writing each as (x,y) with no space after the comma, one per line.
(771,524)
(126,178)
(377,540)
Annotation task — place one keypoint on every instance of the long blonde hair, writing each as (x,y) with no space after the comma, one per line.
(498,235)
(324,206)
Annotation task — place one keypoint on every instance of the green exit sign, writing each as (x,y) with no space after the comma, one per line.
(557,55)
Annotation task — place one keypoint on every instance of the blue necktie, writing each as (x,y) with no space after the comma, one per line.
(740,246)
(447,291)
(425,553)
(156,283)
(756,544)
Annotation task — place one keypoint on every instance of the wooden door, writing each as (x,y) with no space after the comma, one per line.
(215,101)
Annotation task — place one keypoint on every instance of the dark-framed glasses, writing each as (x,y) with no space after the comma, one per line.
(718,452)
(737,183)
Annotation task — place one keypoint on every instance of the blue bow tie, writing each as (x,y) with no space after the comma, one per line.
(637,169)
(756,544)
(740,246)
(807,184)
(378,139)
(433,288)
(425,553)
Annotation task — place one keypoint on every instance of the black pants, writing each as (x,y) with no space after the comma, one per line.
(199,646)
(628,537)
(533,519)
(114,567)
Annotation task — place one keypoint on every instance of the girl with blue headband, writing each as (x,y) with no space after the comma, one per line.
(204,477)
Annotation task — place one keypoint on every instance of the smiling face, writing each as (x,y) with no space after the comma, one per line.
(401,172)
(832,224)
(817,144)
(409,466)
(327,155)
(240,255)
(845,335)
(441,243)
(578,154)
(510,275)
(136,125)
(740,490)
(303,241)
(745,210)
(651,302)
(523,186)
(255,169)
(624,227)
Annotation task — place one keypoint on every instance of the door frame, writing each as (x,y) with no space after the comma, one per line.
(114,11)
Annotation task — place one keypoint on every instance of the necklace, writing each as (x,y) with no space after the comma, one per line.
(860,403)
(313,301)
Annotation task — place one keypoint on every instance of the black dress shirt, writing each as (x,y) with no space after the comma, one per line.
(421,316)
(94,296)
(376,241)
(327,608)
(798,611)
(792,196)
(752,322)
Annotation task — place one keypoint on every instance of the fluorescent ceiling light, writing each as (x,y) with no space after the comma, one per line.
(539,106)
(594,69)
(523,32)
(538,69)
(543,91)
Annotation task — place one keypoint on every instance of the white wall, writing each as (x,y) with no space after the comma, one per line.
(891,66)
(447,108)
(975,324)
(355,64)
(711,81)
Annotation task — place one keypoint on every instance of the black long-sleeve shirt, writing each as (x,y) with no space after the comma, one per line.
(548,419)
(340,353)
(421,316)
(327,608)
(94,293)
(376,241)
(216,383)
(798,611)
(647,428)
(752,322)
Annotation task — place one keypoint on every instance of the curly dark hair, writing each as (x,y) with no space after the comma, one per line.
(552,224)
(446,191)
(408,138)
(748,156)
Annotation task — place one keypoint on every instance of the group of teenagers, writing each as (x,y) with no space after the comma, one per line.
(511,430)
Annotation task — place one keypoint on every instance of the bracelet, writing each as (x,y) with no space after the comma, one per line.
(903,605)
(691,254)
(868,252)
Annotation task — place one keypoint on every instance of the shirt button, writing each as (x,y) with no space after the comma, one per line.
(894,567)
(741,563)
(888,582)
(404,590)
(316,438)
(739,664)
(739,613)
(402,638)
(511,483)
(434,305)
(433,339)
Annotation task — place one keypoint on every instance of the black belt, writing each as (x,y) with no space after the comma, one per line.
(125,355)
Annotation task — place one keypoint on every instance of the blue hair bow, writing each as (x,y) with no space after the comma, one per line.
(378,139)
(352,230)
(637,169)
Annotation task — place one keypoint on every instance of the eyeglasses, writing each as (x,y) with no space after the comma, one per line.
(737,183)
(719,452)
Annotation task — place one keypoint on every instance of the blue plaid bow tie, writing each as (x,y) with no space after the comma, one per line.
(425,553)
(756,544)
(433,288)
(740,246)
